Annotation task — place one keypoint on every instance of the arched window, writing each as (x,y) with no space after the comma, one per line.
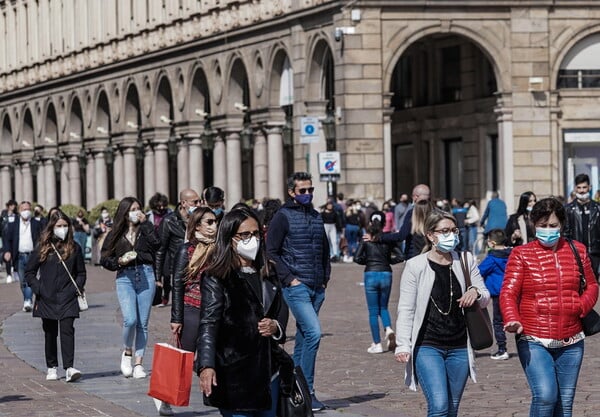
(581,66)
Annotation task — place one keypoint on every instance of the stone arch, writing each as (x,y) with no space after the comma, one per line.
(6,135)
(26,138)
(499,60)
(49,135)
(318,79)
(163,101)
(199,94)
(75,123)
(238,86)
(281,78)
(131,107)
(565,47)
(102,118)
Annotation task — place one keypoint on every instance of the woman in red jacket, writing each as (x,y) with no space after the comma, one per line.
(541,302)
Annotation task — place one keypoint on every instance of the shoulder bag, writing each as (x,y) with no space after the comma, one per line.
(81,299)
(477,319)
(591,322)
(294,396)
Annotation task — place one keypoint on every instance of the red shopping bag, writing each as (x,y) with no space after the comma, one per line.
(171,378)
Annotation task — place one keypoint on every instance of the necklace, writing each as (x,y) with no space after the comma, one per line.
(451,294)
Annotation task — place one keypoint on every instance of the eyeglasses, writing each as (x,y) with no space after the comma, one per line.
(446,231)
(210,222)
(246,236)
(309,190)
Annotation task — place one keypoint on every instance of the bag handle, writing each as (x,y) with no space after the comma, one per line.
(582,281)
(66,269)
(464,264)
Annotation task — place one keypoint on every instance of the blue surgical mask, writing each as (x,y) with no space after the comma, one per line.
(447,243)
(547,236)
(529,208)
(217,211)
(191,209)
(304,199)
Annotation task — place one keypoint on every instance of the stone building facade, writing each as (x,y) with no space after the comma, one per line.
(106,99)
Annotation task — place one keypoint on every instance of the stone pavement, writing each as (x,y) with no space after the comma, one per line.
(352,382)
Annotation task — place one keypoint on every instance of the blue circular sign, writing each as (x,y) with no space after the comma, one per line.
(309,129)
(330,165)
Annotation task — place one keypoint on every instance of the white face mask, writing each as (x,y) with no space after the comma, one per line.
(133,216)
(61,232)
(26,214)
(583,197)
(249,249)
(104,215)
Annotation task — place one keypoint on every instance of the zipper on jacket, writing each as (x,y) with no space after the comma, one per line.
(559,274)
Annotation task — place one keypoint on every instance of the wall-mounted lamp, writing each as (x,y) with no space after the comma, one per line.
(165,119)
(246,139)
(74,135)
(240,107)
(109,155)
(208,139)
(101,130)
(132,125)
(201,112)
(328,126)
(56,163)
(340,31)
(26,144)
(536,84)
(49,140)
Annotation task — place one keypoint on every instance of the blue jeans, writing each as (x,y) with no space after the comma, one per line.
(352,236)
(25,289)
(135,290)
(258,413)
(552,377)
(498,324)
(304,303)
(472,238)
(442,375)
(378,285)
(81,239)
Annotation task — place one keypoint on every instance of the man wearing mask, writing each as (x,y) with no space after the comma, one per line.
(214,198)
(19,238)
(297,243)
(583,220)
(171,233)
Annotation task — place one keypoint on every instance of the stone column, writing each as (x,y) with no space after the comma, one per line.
(183,165)
(65,185)
(40,184)
(90,181)
(387,147)
(234,171)
(275,164)
(130,172)
(119,174)
(27,182)
(220,165)
(74,183)
(196,162)
(5,182)
(18,182)
(505,151)
(101,178)
(149,172)
(161,167)
(261,180)
(50,183)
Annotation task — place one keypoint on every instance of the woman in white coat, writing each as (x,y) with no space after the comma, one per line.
(430,329)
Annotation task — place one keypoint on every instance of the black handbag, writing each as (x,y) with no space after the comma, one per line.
(479,325)
(294,396)
(591,322)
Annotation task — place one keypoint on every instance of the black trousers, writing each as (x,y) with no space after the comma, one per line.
(67,341)
(190,329)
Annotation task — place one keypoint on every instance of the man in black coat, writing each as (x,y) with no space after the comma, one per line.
(18,239)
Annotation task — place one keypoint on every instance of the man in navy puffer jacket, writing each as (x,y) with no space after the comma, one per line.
(297,243)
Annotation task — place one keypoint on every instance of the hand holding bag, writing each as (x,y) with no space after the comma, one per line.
(591,322)
(171,378)
(81,298)
(479,325)
(294,395)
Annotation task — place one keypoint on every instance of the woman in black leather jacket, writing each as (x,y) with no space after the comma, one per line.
(192,259)
(378,256)
(129,249)
(241,322)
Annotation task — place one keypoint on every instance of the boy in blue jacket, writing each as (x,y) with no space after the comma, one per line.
(492,270)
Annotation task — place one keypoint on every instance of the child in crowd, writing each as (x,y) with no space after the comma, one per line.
(492,270)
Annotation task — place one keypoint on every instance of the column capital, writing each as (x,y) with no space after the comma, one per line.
(125,139)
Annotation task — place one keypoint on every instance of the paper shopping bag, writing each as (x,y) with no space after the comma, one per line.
(171,378)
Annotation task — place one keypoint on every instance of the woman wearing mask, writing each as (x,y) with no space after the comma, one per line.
(542,303)
(82,230)
(240,323)
(101,228)
(519,228)
(430,329)
(129,249)
(377,258)
(191,261)
(55,294)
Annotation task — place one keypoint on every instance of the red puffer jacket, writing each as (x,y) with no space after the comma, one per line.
(541,290)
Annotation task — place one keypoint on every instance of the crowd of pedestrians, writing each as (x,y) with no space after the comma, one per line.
(231,278)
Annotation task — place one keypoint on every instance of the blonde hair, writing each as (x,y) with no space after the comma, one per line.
(421,210)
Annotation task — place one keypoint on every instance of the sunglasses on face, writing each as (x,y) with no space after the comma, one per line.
(309,190)
(210,222)
(246,236)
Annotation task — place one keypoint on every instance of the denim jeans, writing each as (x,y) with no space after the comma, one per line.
(442,375)
(552,377)
(304,303)
(258,413)
(352,236)
(498,324)
(135,291)
(378,285)
(81,239)
(25,289)
(473,231)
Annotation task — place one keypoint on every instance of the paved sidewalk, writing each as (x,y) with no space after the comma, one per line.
(352,382)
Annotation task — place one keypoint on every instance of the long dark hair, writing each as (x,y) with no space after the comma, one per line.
(65,247)
(225,259)
(376,224)
(121,221)
(523,203)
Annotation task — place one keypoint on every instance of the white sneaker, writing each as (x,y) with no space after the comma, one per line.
(139,372)
(390,339)
(375,348)
(72,375)
(9,279)
(52,374)
(126,368)
(165,410)
(27,306)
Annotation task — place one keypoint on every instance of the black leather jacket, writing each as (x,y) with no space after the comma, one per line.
(146,243)
(574,230)
(378,256)
(171,233)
